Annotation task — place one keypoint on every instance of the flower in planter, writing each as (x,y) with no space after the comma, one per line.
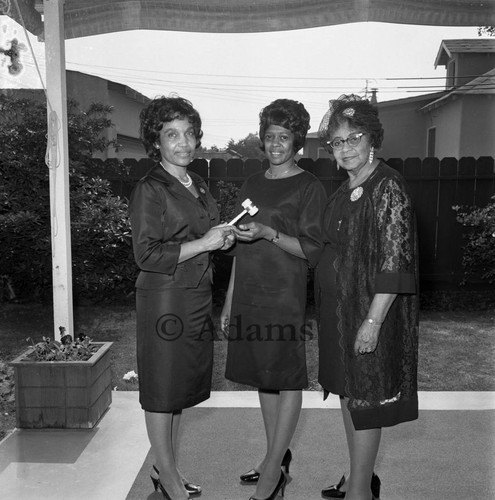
(66,349)
(129,376)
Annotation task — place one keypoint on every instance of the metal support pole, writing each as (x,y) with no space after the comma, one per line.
(58,163)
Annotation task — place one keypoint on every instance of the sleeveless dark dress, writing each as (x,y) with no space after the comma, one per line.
(267,323)
(370,247)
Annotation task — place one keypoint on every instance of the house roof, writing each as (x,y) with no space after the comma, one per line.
(417,100)
(484,85)
(118,87)
(473,45)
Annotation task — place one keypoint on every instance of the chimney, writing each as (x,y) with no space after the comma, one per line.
(373,99)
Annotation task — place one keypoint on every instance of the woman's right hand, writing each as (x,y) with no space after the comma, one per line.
(225,318)
(216,237)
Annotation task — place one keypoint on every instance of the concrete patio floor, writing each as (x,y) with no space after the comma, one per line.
(451,448)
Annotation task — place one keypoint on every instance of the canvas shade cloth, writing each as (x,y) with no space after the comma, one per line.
(93,17)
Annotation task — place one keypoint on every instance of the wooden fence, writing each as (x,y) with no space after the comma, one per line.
(436,186)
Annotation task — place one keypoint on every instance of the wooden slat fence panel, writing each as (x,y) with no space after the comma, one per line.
(436,186)
(426,204)
(449,233)
(485,181)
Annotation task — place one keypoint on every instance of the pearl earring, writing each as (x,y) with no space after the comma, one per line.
(372,155)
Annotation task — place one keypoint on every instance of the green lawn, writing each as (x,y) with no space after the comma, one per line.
(456,348)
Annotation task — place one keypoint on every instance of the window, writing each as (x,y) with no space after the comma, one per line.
(430,142)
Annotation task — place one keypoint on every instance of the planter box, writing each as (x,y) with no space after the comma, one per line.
(62,394)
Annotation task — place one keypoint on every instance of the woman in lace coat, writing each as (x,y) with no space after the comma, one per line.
(367,292)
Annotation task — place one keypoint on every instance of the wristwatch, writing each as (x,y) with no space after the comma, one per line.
(276,237)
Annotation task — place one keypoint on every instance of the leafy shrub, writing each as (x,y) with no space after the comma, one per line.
(227,200)
(249,147)
(103,266)
(479,251)
(227,193)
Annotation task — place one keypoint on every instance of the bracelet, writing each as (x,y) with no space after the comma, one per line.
(276,237)
(372,321)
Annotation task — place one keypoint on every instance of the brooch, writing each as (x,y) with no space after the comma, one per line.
(356,193)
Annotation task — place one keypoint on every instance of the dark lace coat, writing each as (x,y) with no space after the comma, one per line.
(371,247)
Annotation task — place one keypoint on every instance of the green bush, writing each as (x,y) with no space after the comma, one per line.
(102,262)
(479,251)
(227,200)
(226,196)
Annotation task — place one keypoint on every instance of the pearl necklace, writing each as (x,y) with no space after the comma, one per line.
(187,183)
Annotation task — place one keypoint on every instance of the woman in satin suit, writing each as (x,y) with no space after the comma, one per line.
(175,227)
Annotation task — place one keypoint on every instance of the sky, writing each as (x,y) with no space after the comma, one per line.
(229,78)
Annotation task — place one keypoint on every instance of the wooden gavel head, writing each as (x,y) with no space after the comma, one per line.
(250,208)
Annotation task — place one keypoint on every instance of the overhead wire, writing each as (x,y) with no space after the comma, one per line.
(253,89)
(274,77)
(241,90)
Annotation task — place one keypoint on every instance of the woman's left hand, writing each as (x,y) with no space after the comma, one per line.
(251,231)
(366,338)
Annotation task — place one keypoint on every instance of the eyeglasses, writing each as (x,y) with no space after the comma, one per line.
(352,140)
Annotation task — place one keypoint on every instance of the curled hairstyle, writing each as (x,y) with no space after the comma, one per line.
(357,113)
(161,110)
(289,114)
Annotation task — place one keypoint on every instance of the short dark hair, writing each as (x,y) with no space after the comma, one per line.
(357,113)
(288,114)
(166,109)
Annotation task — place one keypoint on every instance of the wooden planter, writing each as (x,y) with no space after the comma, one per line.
(62,394)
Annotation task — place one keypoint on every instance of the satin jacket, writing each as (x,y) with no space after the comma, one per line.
(163,215)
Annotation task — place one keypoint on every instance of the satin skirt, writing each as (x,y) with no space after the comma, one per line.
(174,347)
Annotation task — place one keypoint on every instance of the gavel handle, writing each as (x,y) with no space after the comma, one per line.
(235,219)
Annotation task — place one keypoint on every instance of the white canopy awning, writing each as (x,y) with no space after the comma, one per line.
(93,17)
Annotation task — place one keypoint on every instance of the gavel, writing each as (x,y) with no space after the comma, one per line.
(249,208)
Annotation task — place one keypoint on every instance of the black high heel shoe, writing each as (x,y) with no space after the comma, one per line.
(282,483)
(192,489)
(159,486)
(252,476)
(286,461)
(333,491)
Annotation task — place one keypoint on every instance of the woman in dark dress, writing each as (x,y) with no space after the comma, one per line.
(266,298)
(173,218)
(367,291)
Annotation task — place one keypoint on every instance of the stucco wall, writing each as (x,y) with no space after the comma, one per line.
(472,65)
(477,136)
(125,116)
(447,120)
(465,127)
(405,131)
